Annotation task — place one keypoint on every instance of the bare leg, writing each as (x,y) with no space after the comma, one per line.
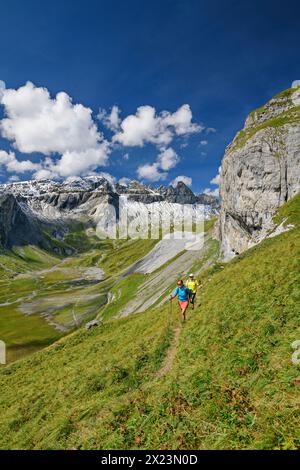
(183,313)
(192,300)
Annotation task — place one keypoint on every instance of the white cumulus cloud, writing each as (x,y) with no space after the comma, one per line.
(166,160)
(13,179)
(295,83)
(216,179)
(124,181)
(211,192)
(110,120)
(141,128)
(181,120)
(216,182)
(44,174)
(35,122)
(184,179)
(146,126)
(69,140)
(80,163)
(150,172)
(9,161)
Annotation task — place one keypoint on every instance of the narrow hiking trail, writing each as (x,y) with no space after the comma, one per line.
(172,350)
(171,353)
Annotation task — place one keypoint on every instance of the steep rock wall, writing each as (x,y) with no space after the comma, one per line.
(260,171)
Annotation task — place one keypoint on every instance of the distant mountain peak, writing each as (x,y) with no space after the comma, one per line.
(181,193)
(41,206)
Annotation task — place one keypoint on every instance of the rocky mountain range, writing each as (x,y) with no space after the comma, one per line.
(260,172)
(30,210)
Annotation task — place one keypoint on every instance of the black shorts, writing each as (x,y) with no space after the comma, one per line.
(192,297)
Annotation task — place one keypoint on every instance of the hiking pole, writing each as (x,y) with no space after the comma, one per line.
(170,312)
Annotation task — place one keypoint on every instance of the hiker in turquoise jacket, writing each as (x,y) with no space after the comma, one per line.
(183,294)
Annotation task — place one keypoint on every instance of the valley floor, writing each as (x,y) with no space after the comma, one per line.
(44,297)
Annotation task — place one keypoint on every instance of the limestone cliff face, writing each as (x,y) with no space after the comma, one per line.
(260,171)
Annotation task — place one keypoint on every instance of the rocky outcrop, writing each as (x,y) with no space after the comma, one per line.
(16,227)
(181,194)
(260,171)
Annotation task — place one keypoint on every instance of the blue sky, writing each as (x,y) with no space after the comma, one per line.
(222,58)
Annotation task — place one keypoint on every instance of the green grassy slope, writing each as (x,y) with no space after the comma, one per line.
(23,259)
(34,282)
(289,213)
(231,384)
(233,374)
(93,371)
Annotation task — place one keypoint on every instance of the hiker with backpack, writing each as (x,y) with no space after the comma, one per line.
(183,294)
(193,285)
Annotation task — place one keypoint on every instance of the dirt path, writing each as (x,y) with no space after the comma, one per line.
(169,359)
